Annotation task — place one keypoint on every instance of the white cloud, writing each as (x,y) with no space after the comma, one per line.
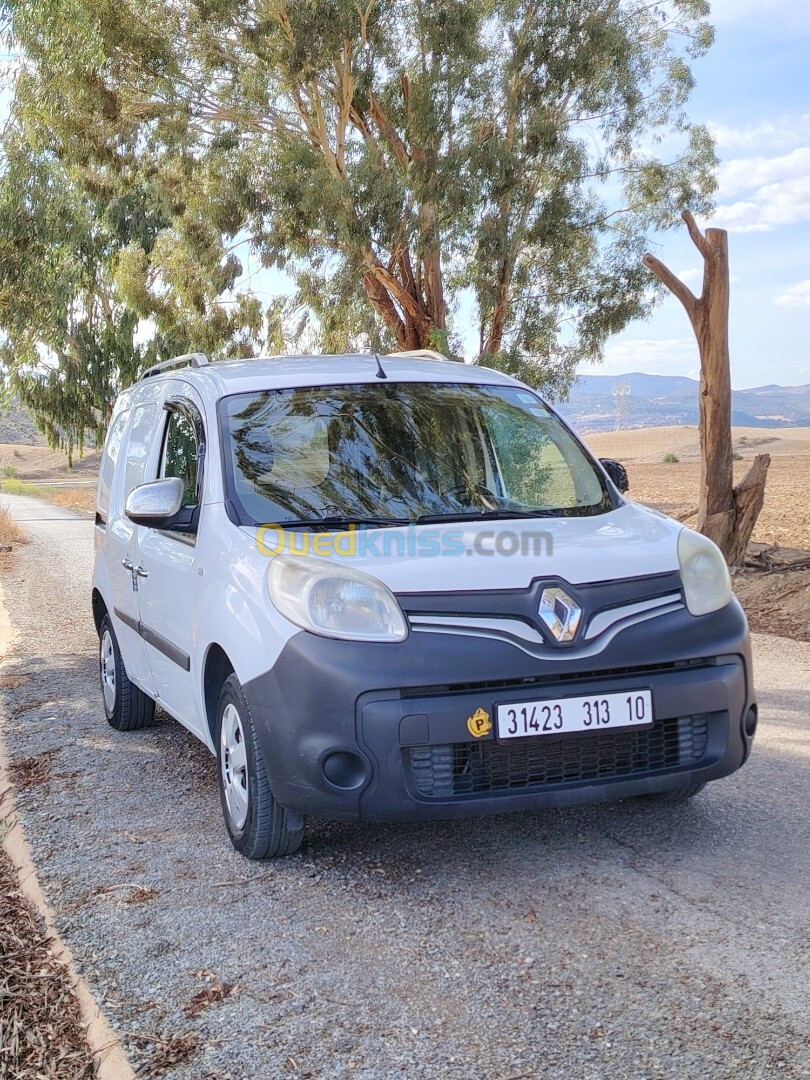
(745,174)
(761,193)
(797,295)
(764,190)
(781,133)
(669,356)
(767,208)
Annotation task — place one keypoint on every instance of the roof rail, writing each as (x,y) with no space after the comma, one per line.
(191,359)
(420,354)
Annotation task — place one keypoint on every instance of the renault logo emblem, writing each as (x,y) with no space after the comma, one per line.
(560,614)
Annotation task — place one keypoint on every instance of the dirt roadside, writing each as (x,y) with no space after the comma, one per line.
(50,1024)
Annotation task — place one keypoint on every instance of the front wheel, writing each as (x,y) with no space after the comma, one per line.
(258,826)
(672,798)
(126,707)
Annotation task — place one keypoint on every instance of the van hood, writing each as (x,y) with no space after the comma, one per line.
(631,541)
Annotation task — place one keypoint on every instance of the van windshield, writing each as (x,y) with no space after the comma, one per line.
(396,453)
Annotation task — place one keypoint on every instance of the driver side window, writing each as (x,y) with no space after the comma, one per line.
(181,455)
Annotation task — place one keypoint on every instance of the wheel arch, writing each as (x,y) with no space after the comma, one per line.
(218,666)
(99,609)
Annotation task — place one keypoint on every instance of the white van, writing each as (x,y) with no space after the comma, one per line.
(399,587)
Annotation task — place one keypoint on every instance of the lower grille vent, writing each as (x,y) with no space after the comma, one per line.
(458,769)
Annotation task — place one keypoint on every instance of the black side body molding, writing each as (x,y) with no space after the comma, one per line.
(152,637)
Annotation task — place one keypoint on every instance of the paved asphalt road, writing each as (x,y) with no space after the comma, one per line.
(602,942)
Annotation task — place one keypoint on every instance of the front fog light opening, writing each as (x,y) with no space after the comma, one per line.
(344,769)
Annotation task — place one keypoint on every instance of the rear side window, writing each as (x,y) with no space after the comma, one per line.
(109,458)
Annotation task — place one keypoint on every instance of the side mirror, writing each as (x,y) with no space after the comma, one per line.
(617,473)
(155,504)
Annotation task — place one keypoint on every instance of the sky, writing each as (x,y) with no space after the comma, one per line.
(753,91)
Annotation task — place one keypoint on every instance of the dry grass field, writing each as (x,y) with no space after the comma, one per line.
(40,463)
(673,488)
(21,467)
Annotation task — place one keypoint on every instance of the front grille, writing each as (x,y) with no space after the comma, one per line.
(556,678)
(458,769)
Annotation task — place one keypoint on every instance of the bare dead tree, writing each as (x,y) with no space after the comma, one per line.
(726,514)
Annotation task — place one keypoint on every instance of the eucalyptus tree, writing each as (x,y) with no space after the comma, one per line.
(66,344)
(75,327)
(424,171)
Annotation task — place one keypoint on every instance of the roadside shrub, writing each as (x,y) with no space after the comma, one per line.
(670,459)
(10,532)
(10,472)
(736,457)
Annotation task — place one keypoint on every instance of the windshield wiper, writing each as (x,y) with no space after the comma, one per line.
(485,515)
(340,521)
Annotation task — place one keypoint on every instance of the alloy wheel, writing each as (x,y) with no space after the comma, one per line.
(233,762)
(107,670)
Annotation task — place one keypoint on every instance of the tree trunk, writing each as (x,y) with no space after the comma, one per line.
(384,305)
(726,514)
(494,340)
(716,518)
(749,495)
(410,312)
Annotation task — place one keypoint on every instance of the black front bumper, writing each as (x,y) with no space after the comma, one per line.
(337,748)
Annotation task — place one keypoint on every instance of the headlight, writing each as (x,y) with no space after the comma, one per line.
(334,600)
(705,576)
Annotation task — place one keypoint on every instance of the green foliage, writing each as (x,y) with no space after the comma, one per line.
(670,459)
(401,161)
(10,473)
(63,336)
(22,487)
(736,456)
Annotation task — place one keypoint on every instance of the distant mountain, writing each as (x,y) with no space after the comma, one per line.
(661,400)
(16,426)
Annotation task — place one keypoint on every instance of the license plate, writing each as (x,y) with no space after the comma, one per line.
(559,716)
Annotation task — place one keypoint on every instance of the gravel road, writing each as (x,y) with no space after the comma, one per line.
(604,942)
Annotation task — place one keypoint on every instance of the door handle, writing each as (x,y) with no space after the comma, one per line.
(128,564)
(141,571)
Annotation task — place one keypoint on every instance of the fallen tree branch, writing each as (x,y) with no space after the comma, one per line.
(685,517)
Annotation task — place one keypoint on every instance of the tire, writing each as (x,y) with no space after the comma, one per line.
(258,826)
(126,707)
(677,795)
